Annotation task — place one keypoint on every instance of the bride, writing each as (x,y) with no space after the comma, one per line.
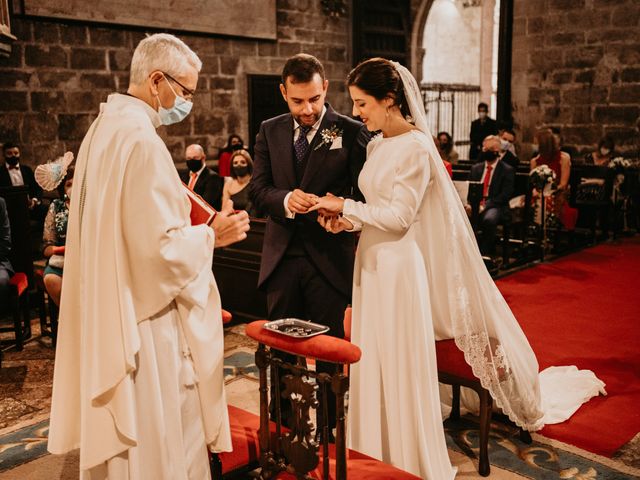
(419,277)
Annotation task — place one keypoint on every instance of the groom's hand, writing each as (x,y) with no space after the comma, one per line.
(301,202)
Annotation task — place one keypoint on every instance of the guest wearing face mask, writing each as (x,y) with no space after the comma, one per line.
(498,180)
(57,175)
(604,154)
(201,179)
(481,128)
(15,174)
(234,143)
(508,156)
(236,190)
(446,148)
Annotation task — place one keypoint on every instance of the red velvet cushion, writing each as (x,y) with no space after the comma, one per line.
(347,324)
(359,467)
(20,281)
(226,316)
(451,360)
(246,450)
(320,347)
(244,438)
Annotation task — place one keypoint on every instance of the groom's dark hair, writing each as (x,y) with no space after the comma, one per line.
(301,68)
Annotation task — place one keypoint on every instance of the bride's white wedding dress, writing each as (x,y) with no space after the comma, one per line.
(419,277)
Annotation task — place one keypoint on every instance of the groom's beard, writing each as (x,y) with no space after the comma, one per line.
(307,120)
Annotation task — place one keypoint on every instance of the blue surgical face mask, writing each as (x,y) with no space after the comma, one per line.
(181,108)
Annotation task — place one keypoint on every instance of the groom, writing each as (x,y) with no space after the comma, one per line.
(306,271)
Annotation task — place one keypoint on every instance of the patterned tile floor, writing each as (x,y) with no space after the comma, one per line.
(25,389)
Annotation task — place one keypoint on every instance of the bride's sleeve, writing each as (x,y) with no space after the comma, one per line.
(409,186)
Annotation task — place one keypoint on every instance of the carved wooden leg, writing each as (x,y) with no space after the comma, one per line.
(525,437)
(455,403)
(486,403)
(216,466)
(340,386)
(266,455)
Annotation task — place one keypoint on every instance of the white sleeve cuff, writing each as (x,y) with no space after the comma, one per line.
(288,213)
(357,224)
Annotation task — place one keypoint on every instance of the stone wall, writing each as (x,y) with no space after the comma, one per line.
(59,72)
(576,65)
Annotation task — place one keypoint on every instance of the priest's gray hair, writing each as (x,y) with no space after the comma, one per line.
(163,52)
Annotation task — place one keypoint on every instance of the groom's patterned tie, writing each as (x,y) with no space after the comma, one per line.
(301,145)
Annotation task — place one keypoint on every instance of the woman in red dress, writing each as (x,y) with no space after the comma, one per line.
(224,160)
(560,162)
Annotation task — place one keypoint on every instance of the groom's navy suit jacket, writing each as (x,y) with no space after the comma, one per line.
(327,170)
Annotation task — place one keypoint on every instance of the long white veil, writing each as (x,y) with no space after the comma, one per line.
(473,311)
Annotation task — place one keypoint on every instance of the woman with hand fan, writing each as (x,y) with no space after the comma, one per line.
(56,175)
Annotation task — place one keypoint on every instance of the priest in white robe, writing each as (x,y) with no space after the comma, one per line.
(138,382)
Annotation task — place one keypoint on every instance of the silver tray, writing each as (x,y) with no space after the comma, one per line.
(296,328)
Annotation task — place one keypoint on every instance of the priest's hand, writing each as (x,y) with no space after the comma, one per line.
(230,226)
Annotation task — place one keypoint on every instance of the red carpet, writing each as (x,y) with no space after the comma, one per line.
(584,310)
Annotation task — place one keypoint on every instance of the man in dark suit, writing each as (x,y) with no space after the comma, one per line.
(6,270)
(13,173)
(481,128)
(201,179)
(306,271)
(497,179)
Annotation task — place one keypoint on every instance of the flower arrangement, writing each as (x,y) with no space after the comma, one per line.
(329,135)
(542,176)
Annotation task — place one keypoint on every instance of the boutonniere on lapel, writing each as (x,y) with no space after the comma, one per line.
(331,136)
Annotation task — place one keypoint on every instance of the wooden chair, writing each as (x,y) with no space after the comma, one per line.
(455,371)
(295,454)
(19,308)
(16,199)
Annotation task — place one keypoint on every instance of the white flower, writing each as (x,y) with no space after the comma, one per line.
(329,135)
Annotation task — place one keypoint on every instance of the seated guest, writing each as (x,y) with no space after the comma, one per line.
(236,190)
(224,160)
(508,156)
(201,179)
(6,271)
(446,148)
(447,165)
(56,175)
(13,173)
(549,153)
(498,181)
(604,154)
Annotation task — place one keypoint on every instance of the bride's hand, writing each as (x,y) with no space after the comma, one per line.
(328,205)
(334,224)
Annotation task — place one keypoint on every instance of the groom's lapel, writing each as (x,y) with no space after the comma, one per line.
(319,149)
(284,138)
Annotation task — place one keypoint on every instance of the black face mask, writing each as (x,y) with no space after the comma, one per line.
(13,161)
(194,165)
(237,146)
(489,156)
(240,171)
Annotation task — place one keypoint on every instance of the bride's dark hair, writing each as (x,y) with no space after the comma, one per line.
(380,79)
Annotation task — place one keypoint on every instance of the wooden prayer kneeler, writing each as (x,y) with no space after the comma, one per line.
(455,371)
(294,453)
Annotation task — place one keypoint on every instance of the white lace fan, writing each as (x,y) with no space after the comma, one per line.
(50,174)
